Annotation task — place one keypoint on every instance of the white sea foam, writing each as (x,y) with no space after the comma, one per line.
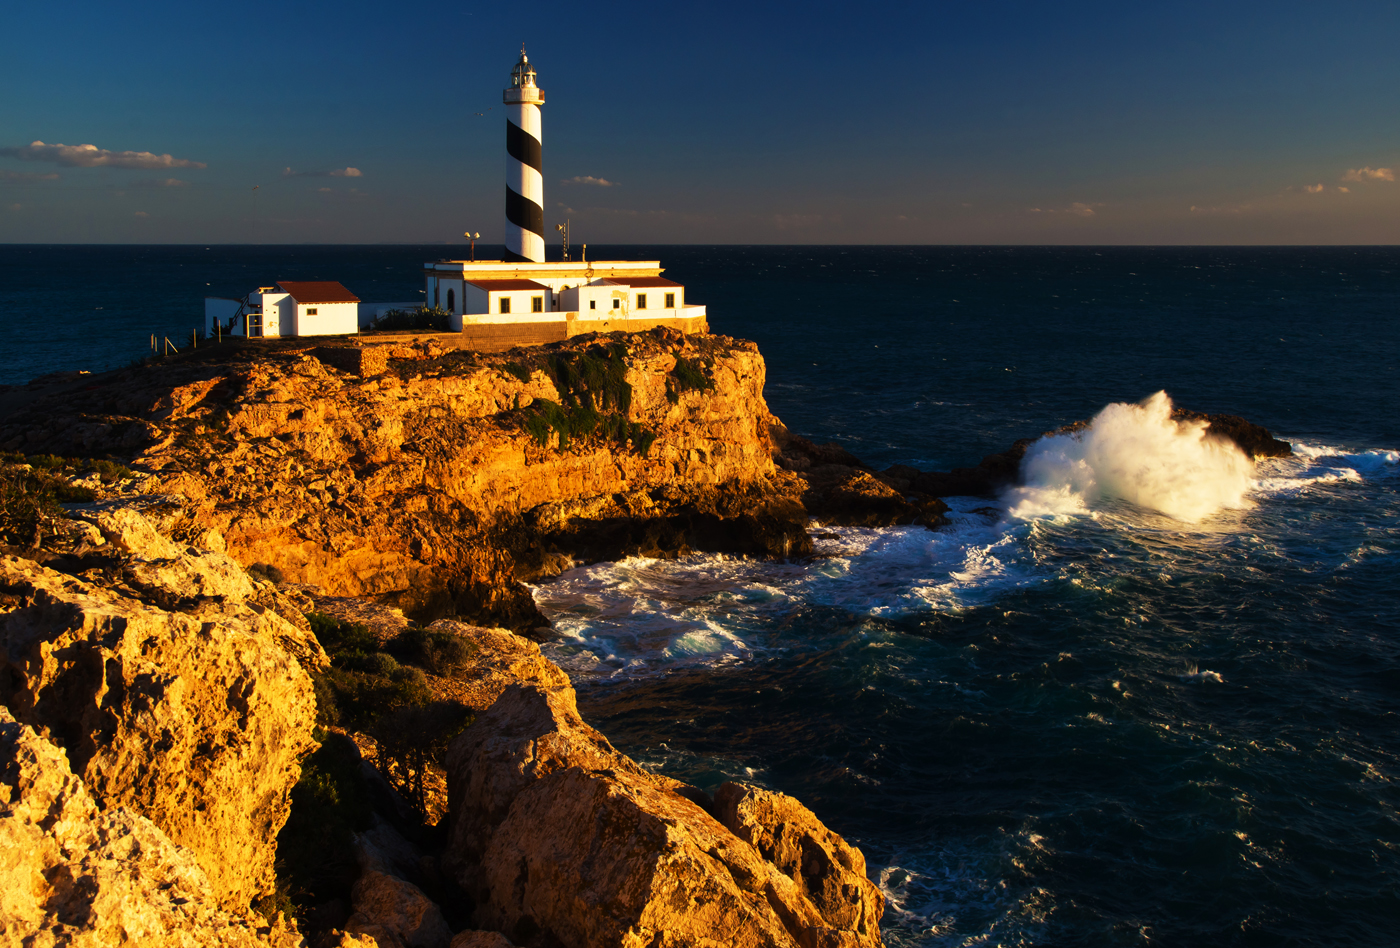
(645,617)
(1136,453)
(1315,465)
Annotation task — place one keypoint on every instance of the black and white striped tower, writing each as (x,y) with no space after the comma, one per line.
(524,170)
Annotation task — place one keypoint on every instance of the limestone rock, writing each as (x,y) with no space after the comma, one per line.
(197,722)
(201,581)
(827,870)
(479,939)
(419,480)
(396,913)
(339,939)
(74,875)
(561,840)
(381,848)
(498,659)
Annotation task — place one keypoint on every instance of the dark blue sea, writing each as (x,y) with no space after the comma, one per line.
(1151,698)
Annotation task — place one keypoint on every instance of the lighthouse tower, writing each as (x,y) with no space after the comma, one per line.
(524,169)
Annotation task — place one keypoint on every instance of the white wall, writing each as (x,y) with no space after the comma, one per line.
(476,300)
(481,303)
(322,319)
(601,295)
(279,314)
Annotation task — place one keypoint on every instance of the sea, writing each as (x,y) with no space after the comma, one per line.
(1151,697)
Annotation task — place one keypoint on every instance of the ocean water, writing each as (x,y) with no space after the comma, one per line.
(1148,699)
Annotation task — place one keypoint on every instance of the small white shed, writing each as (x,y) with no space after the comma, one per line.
(291,308)
(321,308)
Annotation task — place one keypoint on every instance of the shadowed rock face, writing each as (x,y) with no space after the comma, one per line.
(421,483)
(562,841)
(196,719)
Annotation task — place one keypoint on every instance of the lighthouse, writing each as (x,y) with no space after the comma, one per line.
(524,301)
(524,169)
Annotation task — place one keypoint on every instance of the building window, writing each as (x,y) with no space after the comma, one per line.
(311,311)
(617,304)
(451,301)
(641,301)
(592,304)
(505,304)
(670,301)
(537,304)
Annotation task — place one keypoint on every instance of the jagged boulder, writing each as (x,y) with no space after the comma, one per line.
(200,581)
(74,875)
(396,913)
(562,841)
(827,870)
(196,721)
(479,939)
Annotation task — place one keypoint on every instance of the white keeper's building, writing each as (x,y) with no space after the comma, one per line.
(291,308)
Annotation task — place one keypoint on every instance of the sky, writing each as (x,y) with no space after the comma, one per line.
(990,122)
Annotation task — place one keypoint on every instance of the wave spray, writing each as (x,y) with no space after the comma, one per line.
(1137,453)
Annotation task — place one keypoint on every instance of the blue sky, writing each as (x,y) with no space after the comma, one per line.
(983,122)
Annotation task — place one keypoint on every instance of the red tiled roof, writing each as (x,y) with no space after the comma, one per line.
(319,291)
(492,286)
(641,281)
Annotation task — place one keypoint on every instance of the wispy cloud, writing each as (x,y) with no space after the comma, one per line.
(90,156)
(164,183)
(589,179)
(1313,188)
(336,173)
(1078,208)
(26,176)
(1343,190)
(1369,174)
(1235,209)
(142,214)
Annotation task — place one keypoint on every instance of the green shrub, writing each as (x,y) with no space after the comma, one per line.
(315,849)
(356,699)
(686,377)
(363,682)
(425,318)
(265,572)
(412,739)
(595,399)
(442,653)
(518,371)
(30,500)
(336,635)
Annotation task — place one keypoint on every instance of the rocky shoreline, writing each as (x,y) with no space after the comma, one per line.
(261,671)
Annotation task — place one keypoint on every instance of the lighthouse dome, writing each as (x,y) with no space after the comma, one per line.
(523,74)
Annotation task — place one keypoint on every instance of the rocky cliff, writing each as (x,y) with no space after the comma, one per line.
(561,840)
(171,689)
(73,873)
(438,479)
(155,715)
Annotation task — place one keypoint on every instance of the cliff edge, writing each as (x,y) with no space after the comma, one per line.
(441,481)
